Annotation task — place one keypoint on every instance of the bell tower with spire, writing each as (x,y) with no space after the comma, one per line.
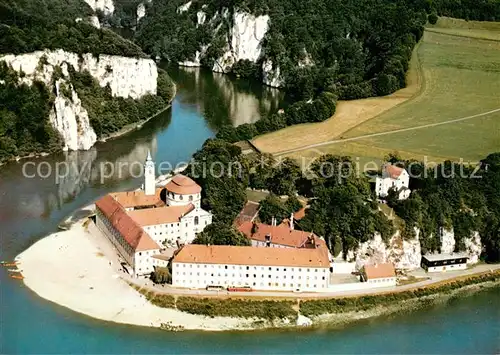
(149,176)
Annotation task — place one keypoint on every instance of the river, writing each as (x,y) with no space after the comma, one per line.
(31,207)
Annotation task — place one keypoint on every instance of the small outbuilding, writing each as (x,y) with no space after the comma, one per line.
(444,262)
(380,275)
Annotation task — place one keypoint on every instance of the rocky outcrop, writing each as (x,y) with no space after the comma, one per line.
(473,247)
(71,120)
(126,77)
(141,11)
(447,238)
(406,254)
(93,20)
(106,6)
(403,254)
(271,75)
(184,7)
(244,41)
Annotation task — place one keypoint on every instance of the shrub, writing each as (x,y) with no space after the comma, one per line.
(213,307)
(432,18)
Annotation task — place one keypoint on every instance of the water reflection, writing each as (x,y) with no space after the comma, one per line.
(31,207)
(225,100)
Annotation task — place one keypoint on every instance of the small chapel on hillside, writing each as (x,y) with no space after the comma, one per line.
(393,177)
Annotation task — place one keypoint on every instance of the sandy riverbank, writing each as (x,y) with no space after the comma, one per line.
(69,268)
(79,269)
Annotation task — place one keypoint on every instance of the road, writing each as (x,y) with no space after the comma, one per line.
(435,278)
(283,152)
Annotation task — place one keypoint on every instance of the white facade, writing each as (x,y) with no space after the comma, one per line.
(140,261)
(442,268)
(144,262)
(184,230)
(382,282)
(181,200)
(386,182)
(258,277)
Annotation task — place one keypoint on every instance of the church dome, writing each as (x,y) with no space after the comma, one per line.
(183,185)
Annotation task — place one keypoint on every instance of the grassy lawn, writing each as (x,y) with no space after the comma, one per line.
(347,115)
(461,77)
(256,196)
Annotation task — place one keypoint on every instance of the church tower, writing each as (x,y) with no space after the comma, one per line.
(149,176)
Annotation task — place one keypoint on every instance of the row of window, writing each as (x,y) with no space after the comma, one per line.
(239,283)
(380,280)
(181,197)
(233,267)
(116,236)
(246,275)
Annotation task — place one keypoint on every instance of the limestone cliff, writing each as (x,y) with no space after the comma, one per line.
(126,77)
(244,40)
(406,254)
(106,6)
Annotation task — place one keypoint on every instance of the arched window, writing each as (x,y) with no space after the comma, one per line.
(190,197)
(196,220)
(180,197)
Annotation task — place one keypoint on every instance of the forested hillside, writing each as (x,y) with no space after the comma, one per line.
(359,48)
(343,207)
(31,25)
(481,10)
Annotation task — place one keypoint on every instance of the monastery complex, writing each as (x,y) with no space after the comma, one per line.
(154,227)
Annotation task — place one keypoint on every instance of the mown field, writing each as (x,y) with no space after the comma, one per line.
(460,67)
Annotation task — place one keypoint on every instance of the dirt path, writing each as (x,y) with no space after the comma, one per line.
(430,125)
(348,115)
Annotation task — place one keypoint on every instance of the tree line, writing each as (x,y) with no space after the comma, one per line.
(355,48)
(343,207)
(27,26)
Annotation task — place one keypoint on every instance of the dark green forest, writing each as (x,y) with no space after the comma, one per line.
(343,207)
(480,10)
(359,48)
(24,112)
(27,26)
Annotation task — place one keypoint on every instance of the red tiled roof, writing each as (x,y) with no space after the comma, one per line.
(133,234)
(300,214)
(281,234)
(378,271)
(160,215)
(239,255)
(393,171)
(183,185)
(248,213)
(138,198)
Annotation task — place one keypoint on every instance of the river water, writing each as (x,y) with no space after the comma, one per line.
(33,200)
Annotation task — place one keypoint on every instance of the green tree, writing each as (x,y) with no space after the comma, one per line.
(161,275)
(221,234)
(432,18)
(272,207)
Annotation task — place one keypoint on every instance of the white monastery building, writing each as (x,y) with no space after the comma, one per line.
(393,177)
(276,269)
(444,262)
(379,275)
(142,223)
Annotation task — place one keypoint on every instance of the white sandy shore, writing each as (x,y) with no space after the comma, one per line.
(68,268)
